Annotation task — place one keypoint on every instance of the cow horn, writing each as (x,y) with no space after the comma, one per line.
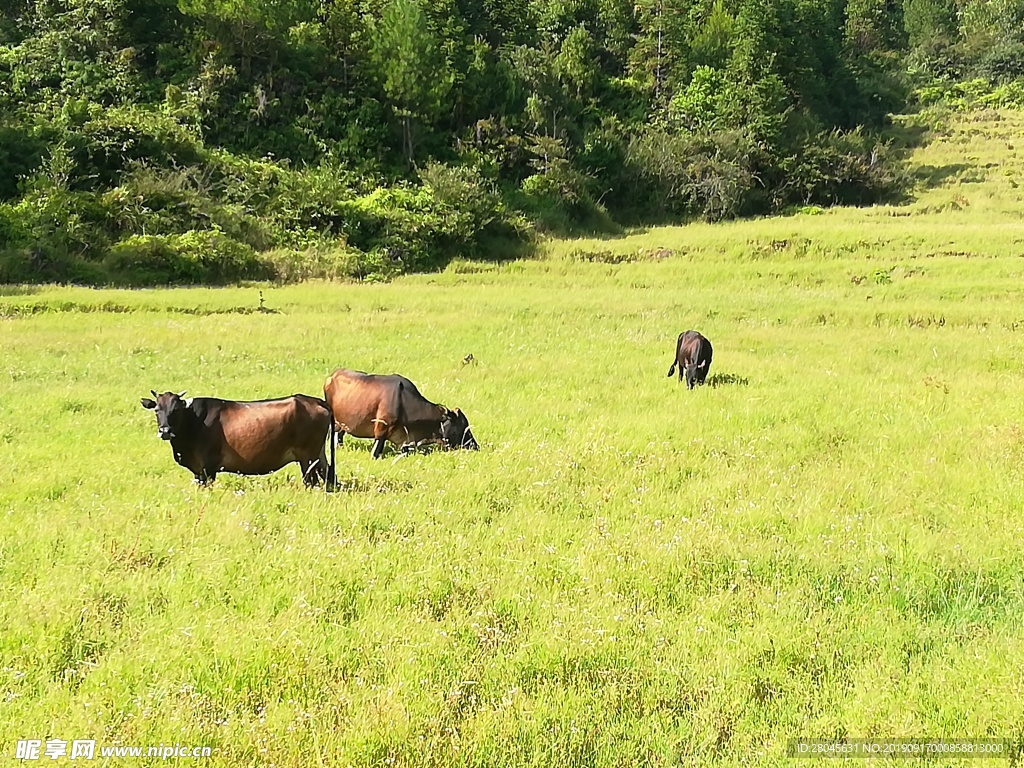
(153,392)
(182,394)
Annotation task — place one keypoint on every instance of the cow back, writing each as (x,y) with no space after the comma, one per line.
(375,405)
(260,436)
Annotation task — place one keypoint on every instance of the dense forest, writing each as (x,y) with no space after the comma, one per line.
(180,141)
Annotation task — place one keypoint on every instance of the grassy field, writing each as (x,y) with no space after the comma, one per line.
(825,542)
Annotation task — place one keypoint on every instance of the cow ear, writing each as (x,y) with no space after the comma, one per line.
(148,404)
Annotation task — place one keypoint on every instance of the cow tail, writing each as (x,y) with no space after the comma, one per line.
(675,357)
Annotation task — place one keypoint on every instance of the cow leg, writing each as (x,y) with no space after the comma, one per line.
(210,466)
(382,427)
(332,467)
(316,471)
(323,468)
(310,473)
(702,372)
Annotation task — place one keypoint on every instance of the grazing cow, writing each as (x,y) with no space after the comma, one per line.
(693,356)
(391,408)
(209,435)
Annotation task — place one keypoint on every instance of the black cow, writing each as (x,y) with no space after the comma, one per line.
(391,408)
(693,356)
(209,435)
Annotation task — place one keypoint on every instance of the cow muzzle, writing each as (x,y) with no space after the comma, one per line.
(469,442)
(166,433)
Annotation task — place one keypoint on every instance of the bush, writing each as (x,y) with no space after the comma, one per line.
(334,263)
(1003,62)
(937,58)
(58,222)
(21,151)
(104,144)
(191,258)
(971,94)
(707,176)
(166,202)
(43,264)
(841,169)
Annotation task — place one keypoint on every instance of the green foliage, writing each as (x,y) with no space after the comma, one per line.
(415,131)
(709,176)
(414,72)
(1003,62)
(191,258)
(852,168)
(972,94)
(930,20)
(21,151)
(291,265)
(701,105)
(559,195)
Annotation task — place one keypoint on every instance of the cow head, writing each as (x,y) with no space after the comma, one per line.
(171,413)
(455,431)
(693,374)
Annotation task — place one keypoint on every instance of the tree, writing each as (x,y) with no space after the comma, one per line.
(415,75)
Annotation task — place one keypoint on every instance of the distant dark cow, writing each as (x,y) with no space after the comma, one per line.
(693,356)
(391,408)
(209,435)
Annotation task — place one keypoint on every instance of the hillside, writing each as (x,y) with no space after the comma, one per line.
(196,141)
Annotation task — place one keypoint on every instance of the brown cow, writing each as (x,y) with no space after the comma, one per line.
(693,356)
(391,408)
(209,435)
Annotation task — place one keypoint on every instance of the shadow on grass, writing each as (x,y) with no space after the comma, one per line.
(499,249)
(726,380)
(19,290)
(933,175)
(907,135)
(354,484)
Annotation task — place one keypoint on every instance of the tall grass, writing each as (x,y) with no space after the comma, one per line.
(824,542)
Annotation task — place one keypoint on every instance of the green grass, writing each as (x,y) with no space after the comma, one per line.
(826,543)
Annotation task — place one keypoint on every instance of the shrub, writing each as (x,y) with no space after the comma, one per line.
(41,263)
(189,258)
(838,168)
(106,143)
(165,202)
(333,263)
(708,176)
(21,151)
